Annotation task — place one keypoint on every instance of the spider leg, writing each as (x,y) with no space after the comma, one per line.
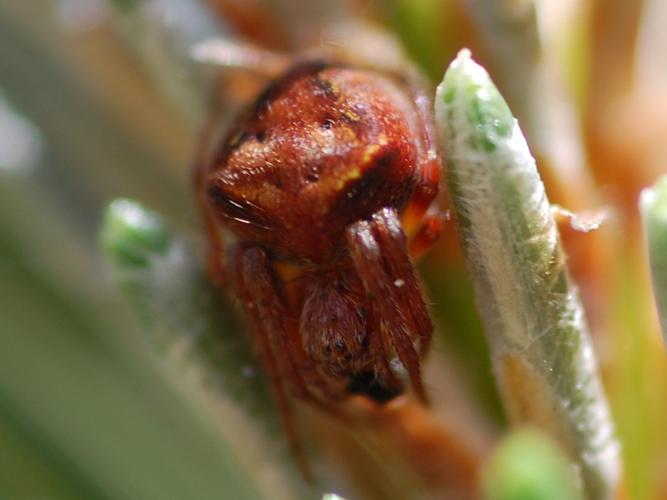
(378,352)
(254,287)
(392,240)
(269,315)
(428,170)
(427,233)
(379,254)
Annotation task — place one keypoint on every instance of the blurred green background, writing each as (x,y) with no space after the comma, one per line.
(84,410)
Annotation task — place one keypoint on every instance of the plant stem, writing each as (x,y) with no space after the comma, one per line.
(163,34)
(653,207)
(509,33)
(541,349)
(517,56)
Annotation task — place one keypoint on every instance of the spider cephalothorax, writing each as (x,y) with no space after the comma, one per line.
(318,183)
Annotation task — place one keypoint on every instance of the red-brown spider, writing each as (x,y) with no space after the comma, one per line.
(325,187)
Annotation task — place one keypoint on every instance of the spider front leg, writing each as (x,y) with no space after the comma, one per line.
(379,253)
(422,220)
(419,214)
(427,232)
(393,243)
(279,339)
(257,286)
(254,284)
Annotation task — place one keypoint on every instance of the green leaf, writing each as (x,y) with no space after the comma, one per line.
(131,235)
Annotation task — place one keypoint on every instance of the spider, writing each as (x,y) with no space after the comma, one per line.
(324,189)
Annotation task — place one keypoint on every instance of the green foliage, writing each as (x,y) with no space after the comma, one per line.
(527,465)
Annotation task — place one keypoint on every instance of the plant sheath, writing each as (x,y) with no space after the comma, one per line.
(541,349)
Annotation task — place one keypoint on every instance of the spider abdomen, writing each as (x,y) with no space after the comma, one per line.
(324,146)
